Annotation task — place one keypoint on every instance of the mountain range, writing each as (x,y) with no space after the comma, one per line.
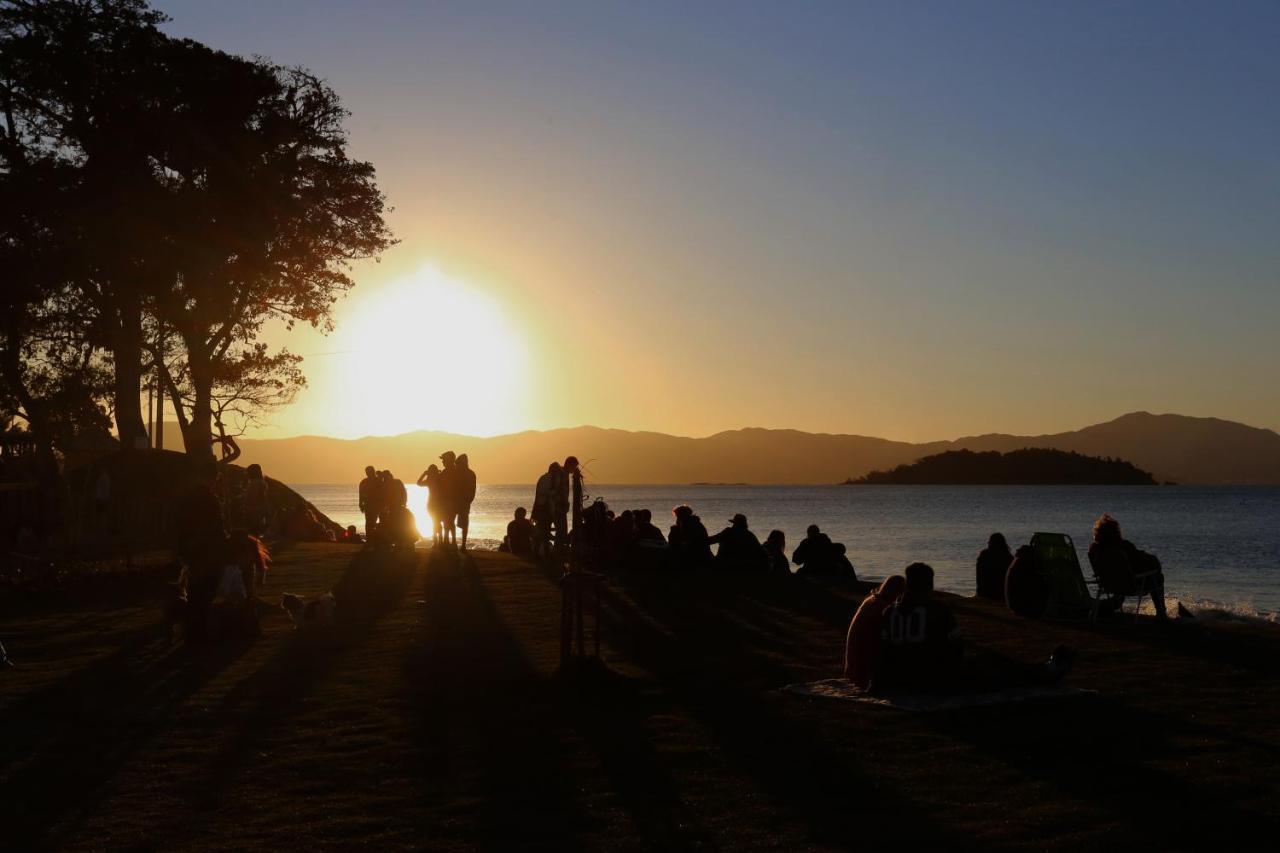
(1173,447)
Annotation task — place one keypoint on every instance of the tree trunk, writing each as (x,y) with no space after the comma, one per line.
(126,350)
(197,434)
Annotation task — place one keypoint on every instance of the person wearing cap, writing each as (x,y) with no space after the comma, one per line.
(465,494)
(449,489)
(740,550)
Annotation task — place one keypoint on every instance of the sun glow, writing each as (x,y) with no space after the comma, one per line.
(432,352)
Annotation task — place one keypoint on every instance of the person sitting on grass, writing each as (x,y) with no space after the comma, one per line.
(1117,562)
(920,645)
(921,649)
(739,550)
(840,561)
(993,564)
(815,555)
(352,536)
(646,530)
(520,534)
(862,644)
(775,549)
(690,545)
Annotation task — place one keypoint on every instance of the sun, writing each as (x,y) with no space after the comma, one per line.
(433,352)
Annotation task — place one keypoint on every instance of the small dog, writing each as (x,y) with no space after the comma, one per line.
(173,606)
(317,610)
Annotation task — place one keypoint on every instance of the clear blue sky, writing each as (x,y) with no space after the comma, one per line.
(910,219)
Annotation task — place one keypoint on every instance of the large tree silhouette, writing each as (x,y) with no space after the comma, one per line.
(266,212)
(208,194)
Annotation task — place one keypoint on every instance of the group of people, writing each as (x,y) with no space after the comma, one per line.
(630,539)
(1121,568)
(451,489)
(902,638)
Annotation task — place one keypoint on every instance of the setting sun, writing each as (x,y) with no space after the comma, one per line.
(431,352)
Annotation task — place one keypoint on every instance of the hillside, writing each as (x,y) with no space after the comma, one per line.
(1029,466)
(1172,447)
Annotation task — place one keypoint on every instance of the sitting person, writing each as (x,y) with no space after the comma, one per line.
(402,528)
(775,548)
(921,649)
(815,555)
(646,530)
(993,563)
(520,534)
(690,545)
(739,550)
(352,536)
(862,644)
(920,645)
(1117,562)
(840,561)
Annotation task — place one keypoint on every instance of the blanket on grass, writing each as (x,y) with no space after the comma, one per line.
(839,688)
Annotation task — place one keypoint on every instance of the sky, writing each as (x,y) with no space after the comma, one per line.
(905,219)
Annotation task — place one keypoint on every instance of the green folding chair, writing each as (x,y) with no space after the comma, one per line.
(1069,596)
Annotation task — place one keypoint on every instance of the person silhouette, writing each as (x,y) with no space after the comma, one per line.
(449,487)
(370,500)
(544,506)
(430,480)
(993,564)
(466,494)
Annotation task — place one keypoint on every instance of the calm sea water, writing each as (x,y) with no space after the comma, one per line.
(1219,545)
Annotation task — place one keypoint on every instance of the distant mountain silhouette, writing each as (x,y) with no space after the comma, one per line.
(1171,447)
(1029,466)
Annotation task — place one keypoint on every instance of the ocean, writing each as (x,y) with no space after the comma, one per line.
(1220,545)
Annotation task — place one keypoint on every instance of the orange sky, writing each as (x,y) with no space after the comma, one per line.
(841,219)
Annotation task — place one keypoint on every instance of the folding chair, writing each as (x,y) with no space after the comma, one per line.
(1114,577)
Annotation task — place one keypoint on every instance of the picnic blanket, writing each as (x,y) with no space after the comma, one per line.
(839,688)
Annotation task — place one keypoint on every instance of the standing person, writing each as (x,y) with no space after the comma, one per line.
(449,497)
(255,506)
(199,539)
(465,495)
(430,479)
(544,503)
(370,498)
(560,501)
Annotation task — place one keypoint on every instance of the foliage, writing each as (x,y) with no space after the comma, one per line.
(1029,466)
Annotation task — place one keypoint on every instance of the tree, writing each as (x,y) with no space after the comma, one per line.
(79,82)
(266,210)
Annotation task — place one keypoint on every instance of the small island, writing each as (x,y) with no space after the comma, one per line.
(1032,466)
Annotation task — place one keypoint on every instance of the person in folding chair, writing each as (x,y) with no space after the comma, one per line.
(1123,569)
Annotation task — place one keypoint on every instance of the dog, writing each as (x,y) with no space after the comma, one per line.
(317,610)
(173,606)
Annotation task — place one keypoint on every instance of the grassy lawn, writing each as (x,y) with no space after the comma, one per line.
(432,715)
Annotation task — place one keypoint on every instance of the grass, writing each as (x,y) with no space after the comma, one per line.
(433,716)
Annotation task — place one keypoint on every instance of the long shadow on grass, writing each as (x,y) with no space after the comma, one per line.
(1104,753)
(522,746)
(373,585)
(64,743)
(701,659)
